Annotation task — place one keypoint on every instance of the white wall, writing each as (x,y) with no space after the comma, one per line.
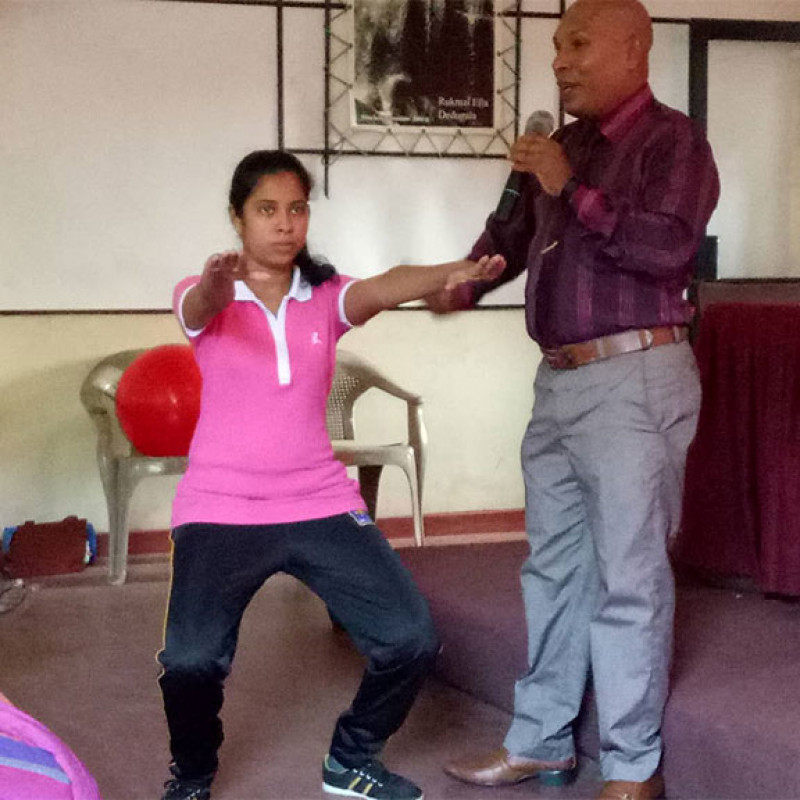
(122,122)
(755,133)
(777,10)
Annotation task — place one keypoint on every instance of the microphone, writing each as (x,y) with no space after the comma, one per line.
(543,123)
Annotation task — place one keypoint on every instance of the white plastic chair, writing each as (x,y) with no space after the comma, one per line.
(354,376)
(122,466)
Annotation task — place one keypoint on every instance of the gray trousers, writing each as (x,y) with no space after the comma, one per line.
(603,460)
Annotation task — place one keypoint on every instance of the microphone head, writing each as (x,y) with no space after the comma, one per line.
(541,122)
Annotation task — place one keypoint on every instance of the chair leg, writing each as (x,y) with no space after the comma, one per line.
(368,479)
(410,470)
(109,472)
(118,512)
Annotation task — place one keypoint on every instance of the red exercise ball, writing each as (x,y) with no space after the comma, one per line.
(158,400)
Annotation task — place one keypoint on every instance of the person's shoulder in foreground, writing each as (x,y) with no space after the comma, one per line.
(35,764)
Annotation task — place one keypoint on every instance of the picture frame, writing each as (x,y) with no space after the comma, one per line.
(422,77)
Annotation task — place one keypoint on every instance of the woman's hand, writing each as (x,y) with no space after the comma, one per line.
(486,268)
(219,273)
(215,290)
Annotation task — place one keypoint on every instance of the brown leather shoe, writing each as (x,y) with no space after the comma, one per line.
(499,768)
(650,789)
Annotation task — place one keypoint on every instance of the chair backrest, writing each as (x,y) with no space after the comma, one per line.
(353,377)
(98,395)
(102,381)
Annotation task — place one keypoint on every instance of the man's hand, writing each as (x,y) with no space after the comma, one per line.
(457,295)
(544,158)
(459,299)
(219,273)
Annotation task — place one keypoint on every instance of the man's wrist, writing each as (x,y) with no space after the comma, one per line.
(463,296)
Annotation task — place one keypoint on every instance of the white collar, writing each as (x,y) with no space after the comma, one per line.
(300,289)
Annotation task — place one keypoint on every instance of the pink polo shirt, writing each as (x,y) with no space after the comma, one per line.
(261,452)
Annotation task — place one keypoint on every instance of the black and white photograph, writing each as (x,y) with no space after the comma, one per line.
(424,63)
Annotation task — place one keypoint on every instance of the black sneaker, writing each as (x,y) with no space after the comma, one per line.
(370,780)
(178,788)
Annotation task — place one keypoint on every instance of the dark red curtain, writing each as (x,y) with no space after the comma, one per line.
(741,511)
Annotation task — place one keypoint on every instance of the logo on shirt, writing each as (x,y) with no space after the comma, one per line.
(315,338)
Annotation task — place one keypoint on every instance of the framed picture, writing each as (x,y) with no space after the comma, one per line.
(423,64)
(422,76)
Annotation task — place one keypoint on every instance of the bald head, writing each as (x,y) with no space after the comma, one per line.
(625,17)
(602,50)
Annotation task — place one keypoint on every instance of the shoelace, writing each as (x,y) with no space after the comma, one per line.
(373,772)
(173,783)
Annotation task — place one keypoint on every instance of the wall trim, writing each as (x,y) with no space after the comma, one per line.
(452,528)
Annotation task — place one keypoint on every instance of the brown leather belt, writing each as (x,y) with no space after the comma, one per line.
(572,356)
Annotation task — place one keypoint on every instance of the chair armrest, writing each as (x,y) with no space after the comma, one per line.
(373,377)
(355,454)
(382,382)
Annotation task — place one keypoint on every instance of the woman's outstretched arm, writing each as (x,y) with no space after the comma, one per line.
(400,284)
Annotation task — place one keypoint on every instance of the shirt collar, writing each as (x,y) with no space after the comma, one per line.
(615,125)
(300,289)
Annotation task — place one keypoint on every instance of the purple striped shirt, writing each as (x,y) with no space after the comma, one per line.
(619,253)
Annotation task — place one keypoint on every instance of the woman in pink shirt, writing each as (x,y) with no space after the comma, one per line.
(263,492)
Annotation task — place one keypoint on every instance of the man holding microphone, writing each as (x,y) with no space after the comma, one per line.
(611,211)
